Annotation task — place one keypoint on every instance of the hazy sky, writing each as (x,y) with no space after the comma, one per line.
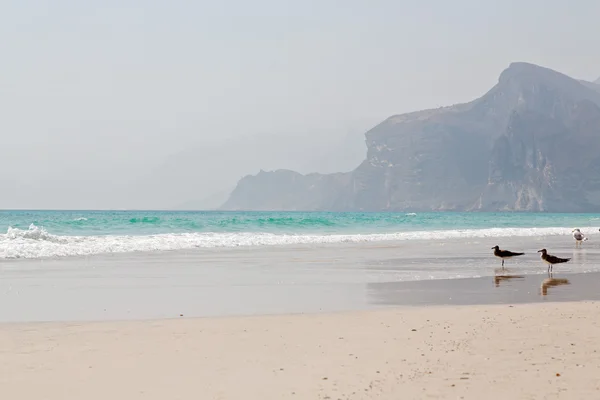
(97,95)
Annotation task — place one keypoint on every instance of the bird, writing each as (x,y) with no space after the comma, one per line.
(578,236)
(503,254)
(551,260)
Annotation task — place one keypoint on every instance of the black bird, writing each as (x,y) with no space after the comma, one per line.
(503,254)
(551,260)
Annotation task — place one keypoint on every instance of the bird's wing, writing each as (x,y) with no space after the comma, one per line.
(556,260)
(507,253)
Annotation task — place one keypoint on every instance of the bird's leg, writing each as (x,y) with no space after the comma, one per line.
(503,263)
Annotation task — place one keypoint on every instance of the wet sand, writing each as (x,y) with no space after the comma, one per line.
(284,280)
(508,287)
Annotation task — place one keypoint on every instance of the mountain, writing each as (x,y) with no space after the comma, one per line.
(288,190)
(597,81)
(531,143)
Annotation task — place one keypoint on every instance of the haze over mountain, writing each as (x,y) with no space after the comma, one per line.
(531,143)
(216,168)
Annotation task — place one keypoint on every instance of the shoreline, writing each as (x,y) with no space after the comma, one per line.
(292,280)
(84,245)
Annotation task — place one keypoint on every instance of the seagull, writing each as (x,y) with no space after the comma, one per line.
(503,254)
(578,236)
(551,260)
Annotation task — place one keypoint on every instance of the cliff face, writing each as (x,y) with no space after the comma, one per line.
(532,143)
(546,164)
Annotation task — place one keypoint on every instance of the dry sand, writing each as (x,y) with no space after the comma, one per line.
(528,351)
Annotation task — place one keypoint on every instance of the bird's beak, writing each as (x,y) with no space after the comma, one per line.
(539,251)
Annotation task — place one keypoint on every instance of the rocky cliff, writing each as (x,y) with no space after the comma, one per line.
(531,143)
(288,190)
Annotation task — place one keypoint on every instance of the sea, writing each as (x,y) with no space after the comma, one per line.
(43,234)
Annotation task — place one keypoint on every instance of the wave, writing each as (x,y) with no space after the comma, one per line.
(36,242)
(145,220)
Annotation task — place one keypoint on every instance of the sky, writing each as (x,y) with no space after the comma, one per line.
(99,100)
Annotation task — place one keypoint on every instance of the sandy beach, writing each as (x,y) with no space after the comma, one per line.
(528,351)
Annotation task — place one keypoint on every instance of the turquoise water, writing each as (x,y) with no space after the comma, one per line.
(39,234)
(89,223)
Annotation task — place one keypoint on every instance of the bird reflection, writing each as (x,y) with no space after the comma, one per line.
(505,278)
(551,282)
(580,256)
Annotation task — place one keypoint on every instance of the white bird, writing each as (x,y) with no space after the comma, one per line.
(578,236)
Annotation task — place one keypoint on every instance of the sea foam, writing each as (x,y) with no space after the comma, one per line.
(36,242)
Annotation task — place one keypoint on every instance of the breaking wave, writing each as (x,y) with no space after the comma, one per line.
(36,242)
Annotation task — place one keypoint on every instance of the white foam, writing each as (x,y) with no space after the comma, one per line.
(36,242)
